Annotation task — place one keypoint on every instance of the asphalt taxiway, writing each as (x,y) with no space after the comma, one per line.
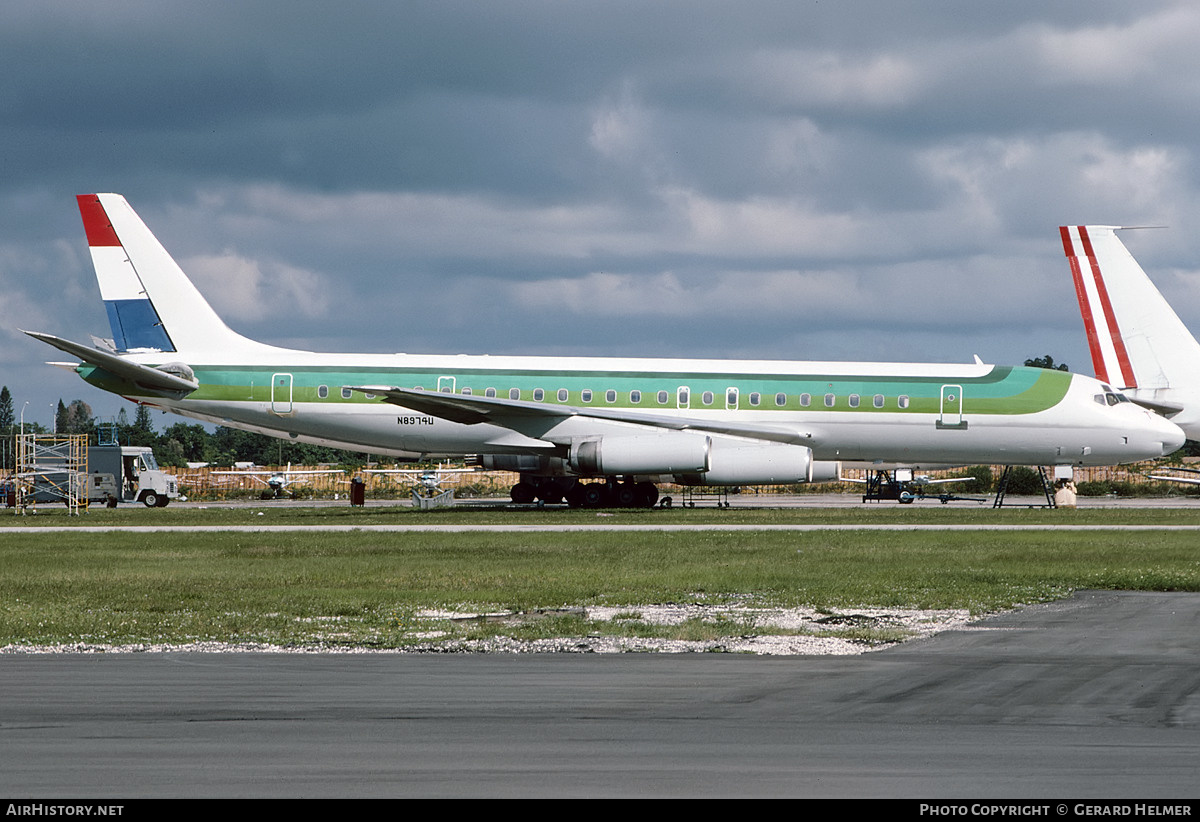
(1096,696)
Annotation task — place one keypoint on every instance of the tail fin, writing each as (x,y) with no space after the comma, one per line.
(1136,340)
(151,303)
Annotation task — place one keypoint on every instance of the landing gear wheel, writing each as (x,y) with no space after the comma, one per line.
(522,493)
(626,495)
(594,495)
(647,494)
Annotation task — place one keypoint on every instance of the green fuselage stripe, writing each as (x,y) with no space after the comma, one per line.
(1003,390)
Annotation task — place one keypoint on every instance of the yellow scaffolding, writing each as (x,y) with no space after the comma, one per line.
(52,468)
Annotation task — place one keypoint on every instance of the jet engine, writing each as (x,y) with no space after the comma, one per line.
(736,463)
(647,454)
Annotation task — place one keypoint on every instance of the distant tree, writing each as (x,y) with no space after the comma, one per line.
(8,418)
(142,430)
(7,424)
(187,443)
(75,418)
(1046,362)
(60,418)
(79,419)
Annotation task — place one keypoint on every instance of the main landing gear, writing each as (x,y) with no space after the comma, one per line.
(607,494)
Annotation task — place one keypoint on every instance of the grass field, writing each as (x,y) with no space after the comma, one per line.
(383,514)
(386,590)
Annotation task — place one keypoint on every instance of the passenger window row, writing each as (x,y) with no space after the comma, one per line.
(706,398)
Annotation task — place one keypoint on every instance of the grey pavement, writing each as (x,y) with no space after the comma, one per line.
(1097,696)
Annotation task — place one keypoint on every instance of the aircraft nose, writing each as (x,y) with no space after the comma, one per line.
(1172,436)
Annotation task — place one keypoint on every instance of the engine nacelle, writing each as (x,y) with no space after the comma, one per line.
(826,471)
(647,454)
(738,464)
(519,463)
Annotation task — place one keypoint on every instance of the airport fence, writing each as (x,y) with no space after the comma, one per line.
(216,483)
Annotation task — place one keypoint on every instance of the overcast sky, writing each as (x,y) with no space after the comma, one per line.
(794,179)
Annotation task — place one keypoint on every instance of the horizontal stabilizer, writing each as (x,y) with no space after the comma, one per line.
(1167,409)
(143,375)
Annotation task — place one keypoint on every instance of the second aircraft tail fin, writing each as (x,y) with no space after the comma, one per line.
(1136,339)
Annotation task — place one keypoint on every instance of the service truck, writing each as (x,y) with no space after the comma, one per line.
(116,473)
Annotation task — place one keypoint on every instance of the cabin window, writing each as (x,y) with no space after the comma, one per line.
(586,395)
(805,400)
(755,398)
(562,395)
(466,392)
(489,392)
(635,396)
(322,391)
(877,401)
(854,400)
(538,395)
(683,397)
(731,398)
(781,399)
(610,395)
(706,398)
(347,393)
(514,393)
(663,396)
(902,401)
(830,399)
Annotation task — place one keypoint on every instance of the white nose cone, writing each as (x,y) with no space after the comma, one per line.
(1172,435)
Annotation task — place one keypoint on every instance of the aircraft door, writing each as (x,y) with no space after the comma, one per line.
(281,393)
(951,408)
(446,385)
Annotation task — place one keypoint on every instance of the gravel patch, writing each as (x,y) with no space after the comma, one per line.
(751,633)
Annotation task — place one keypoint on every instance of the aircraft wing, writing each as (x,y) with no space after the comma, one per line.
(144,375)
(275,473)
(470,410)
(1184,480)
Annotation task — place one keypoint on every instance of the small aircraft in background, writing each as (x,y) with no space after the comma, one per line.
(902,485)
(277,481)
(429,480)
(1193,480)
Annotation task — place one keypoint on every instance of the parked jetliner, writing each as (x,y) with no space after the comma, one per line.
(624,422)
(1137,341)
